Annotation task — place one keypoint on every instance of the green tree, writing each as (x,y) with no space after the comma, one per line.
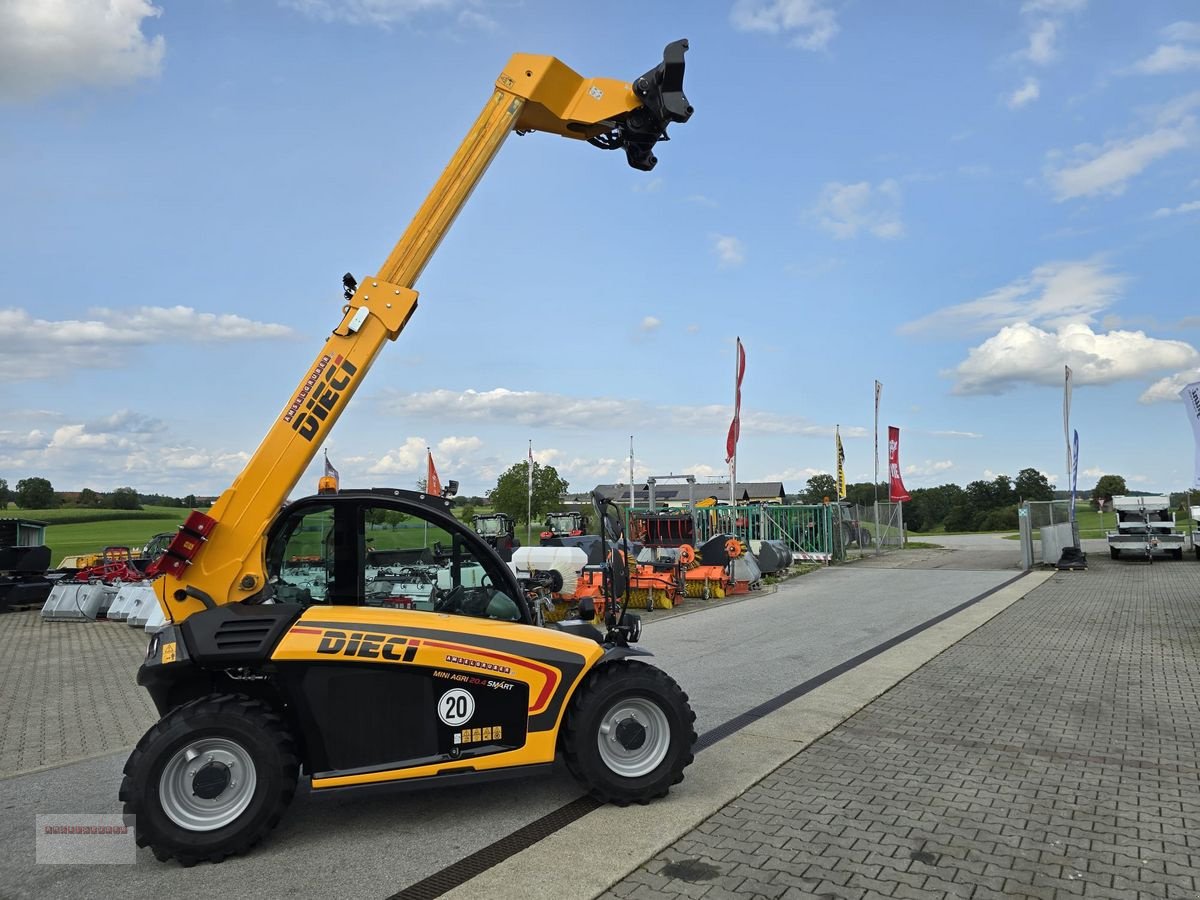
(6,495)
(35,493)
(819,487)
(88,497)
(124,498)
(962,517)
(1033,485)
(1106,488)
(863,493)
(511,493)
(190,501)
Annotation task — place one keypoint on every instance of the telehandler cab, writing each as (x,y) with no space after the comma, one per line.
(277,661)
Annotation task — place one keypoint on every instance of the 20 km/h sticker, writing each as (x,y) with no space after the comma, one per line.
(456,707)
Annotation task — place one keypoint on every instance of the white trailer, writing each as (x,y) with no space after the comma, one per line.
(1145,527)
(1196,530)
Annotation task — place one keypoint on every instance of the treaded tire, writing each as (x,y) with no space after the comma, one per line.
(249,724)
(607,688)
(1114,552)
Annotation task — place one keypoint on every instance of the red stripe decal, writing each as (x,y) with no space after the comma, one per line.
(551,674)
(296,629)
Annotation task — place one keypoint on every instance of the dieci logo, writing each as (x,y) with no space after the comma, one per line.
(319,395)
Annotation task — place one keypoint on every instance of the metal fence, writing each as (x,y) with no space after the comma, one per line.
(816,533)
(1045,527)
(868,530)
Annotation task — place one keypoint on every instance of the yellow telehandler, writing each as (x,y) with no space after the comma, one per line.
(278,662)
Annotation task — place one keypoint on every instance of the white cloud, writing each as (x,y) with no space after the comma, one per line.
(1054,293)
(965,434)
(811,24)
(1025,354)
(409,457)
(1041,50)
(1106,169)
(389,12)
(729,250)
(1169,58)
(650,323)
(846,209)
(51,45)
(1166,390)
(1053,7)
(536,409)
(459,446)
(929,467)
(1190,206)
(102,341)
(29,440)
(1182,31)
(1026,93)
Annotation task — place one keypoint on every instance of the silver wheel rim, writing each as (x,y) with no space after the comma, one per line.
(645,758)
(176,786)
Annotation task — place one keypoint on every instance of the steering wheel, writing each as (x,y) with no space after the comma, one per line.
(451,601)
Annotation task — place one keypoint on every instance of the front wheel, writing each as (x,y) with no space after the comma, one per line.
(629,733)
(210,779)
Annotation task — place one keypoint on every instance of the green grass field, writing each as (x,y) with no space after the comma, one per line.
(73,531)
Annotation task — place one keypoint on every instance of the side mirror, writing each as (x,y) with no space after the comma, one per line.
(587,609)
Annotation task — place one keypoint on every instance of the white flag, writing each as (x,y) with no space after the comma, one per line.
(1191,404)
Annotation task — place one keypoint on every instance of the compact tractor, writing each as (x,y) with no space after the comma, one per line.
(499,531)
(564,524)
(277,662)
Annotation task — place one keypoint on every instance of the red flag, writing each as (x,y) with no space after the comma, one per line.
(735,427)
(897,491)
(433,484)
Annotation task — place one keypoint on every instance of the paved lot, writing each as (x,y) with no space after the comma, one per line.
(1051,753)
(730,658)
(67,690)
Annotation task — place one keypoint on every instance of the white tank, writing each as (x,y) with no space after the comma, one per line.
(568,561)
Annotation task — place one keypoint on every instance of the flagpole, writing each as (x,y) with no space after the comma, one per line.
(529,507)
(875,483)
(733,458)
(631,471)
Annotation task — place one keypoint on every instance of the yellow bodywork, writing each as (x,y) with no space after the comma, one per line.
(447,642)
(532,93)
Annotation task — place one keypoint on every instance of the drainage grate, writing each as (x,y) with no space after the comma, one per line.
(480,861)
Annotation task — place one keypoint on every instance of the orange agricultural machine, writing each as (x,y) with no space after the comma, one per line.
(670,567)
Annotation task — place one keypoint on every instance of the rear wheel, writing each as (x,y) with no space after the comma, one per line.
(1114,552)
(629,733)
(1177,554)
(210,779)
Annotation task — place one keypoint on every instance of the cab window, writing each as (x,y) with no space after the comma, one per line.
(375,554)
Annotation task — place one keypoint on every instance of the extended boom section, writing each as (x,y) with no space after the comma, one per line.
(220,558)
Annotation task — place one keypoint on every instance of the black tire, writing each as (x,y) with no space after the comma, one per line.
(1197,551)
(1114,552)
(630,691)
(864,538)
(239,729)
(1177,554)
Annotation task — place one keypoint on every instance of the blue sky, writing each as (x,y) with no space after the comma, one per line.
(953,199)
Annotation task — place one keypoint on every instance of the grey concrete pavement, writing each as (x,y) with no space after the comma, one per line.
(1051,753)
(729,657)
